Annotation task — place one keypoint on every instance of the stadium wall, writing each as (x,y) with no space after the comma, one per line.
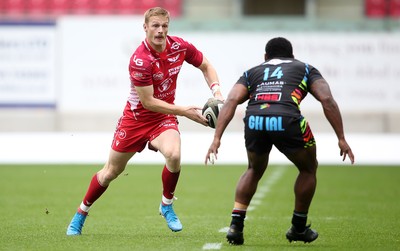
(72,75)
(93,148)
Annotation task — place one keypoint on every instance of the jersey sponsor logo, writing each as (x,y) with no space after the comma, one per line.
(158,76)
(175,46)
(174,59)
(270,96)
(165,85)
(175,70)
(261,123)
(137,61)
(137,75)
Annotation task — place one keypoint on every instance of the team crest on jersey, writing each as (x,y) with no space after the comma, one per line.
(175,46)
(165,85)
(158,76)
(174,59)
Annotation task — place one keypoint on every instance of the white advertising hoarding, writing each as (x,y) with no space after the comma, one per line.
(361,68)
(27,65)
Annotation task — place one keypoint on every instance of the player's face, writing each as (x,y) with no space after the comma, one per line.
(156,32)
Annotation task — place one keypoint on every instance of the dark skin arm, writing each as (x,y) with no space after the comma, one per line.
(237,95)
(321,91)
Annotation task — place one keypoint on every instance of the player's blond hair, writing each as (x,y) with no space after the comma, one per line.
(156,11)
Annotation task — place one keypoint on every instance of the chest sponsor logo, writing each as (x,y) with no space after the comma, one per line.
(158,76)
(270,96)
(173,59)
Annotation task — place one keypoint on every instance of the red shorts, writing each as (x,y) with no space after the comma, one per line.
(132,135)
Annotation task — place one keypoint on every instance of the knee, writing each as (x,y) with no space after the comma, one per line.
(109,173)
(173,156)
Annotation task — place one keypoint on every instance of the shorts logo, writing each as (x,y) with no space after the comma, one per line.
(121,134)
(261,123)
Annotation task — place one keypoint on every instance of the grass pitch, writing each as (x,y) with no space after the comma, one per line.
(354,208)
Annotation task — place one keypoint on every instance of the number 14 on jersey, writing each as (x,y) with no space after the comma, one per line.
(276,73)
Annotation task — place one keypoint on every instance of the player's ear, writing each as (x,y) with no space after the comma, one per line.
(145,27)
(265,57)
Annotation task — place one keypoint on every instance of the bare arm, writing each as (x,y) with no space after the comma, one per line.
(156,105)
(237,95)
(211,76)
(321,91)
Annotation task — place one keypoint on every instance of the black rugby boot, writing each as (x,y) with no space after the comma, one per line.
(308,235)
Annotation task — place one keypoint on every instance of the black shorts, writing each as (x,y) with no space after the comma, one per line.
(288,134)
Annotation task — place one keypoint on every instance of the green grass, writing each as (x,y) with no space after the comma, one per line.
(354,208)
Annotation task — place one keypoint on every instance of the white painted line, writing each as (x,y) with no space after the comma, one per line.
(223,230)
(212,246)
(261,192)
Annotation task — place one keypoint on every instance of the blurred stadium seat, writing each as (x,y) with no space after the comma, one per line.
(376,8)
(14,7)
(59,7)
(394,8)
(55,8)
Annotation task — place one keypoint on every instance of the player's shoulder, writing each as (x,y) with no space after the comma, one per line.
(141,57)
(178,42)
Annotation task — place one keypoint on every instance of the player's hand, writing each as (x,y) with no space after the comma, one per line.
(345,150)
(194,113)
(211,155)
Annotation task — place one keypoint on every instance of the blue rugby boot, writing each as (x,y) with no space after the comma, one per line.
(168,213)
(76,225)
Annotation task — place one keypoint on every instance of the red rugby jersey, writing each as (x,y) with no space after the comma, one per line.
(149,67)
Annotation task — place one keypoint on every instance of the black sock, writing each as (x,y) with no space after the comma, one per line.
(299,221)
(238,216)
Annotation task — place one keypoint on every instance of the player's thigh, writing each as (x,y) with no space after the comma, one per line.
(258,161)
(117,161)
(168,143)
(305,159)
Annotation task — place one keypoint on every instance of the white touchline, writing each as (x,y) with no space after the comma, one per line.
(212,246)
(261,192)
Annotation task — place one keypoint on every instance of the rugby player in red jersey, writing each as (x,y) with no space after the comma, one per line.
(150,115)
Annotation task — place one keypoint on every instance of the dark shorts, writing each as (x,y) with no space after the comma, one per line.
(287,134)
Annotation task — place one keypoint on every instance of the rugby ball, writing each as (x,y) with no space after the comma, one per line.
(211,110)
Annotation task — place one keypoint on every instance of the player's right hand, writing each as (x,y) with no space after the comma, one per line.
(194,113)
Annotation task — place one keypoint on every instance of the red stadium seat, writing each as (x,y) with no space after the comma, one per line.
(37,7)
(376,8)
(81,7)
(394,8)
(147,4)
(104,6)
(126,7)
(59,7)
(14,7)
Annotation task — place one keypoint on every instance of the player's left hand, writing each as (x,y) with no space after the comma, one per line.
(345,150)
(211,155)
